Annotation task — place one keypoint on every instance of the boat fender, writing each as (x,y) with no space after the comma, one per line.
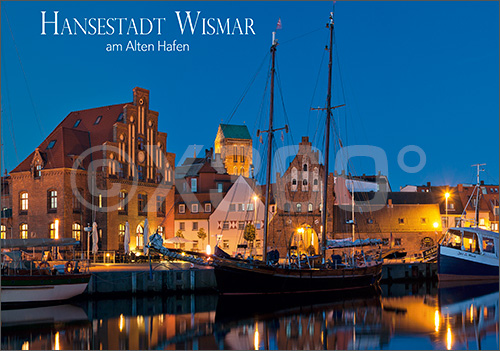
(68,267)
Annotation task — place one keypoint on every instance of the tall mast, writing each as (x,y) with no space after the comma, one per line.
(327,142)
(269,150)
(476,217)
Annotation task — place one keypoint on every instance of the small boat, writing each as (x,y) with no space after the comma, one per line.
(469,253)
(27,280)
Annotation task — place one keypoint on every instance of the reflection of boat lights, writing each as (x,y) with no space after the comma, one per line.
(436,321)
(209,249)
(160,319)
(25,346)
(140,320)
(256,337)
(471,313)
(485,312)
(448,338)
(56,342)
(121,323)
(322,337)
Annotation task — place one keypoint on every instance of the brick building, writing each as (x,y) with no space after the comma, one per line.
(234,144)
(198,193)
(107,164)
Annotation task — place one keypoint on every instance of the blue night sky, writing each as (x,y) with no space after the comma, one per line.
(410,73)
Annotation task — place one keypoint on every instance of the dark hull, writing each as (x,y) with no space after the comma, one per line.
(452,267)
(259,279)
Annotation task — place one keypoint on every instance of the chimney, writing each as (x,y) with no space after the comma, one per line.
(460,188)
(482,182)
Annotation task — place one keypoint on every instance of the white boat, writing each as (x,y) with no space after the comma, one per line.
(26,280)
(469,253)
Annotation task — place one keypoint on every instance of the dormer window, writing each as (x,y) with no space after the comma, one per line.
(77,123)
(51,144)
(38,171)
(98,119)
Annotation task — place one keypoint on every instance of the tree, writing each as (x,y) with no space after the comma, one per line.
(179,233)
(249,233)
(202,235)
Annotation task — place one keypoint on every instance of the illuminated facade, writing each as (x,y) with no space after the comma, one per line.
(234,144)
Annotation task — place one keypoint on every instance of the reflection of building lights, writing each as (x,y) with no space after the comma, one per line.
(485,312)
(56,342)
(256,337)
(436,321)
(25,346)
(160,319)
(122,322)
(448,338)
(107,254)
(471,313)
(140,320)
(183,253)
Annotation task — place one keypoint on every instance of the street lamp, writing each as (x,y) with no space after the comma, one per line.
(446,196)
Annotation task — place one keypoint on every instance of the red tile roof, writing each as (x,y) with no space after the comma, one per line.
(73,141)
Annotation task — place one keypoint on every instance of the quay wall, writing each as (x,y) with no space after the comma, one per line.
(194,279)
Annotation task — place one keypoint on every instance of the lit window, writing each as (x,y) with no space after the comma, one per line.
(160,230)
(182,208)
(3,231)
(242,153)
(194,208)
(98,119)
(310,208)
(52,200)
(225,244)
(235,156)
(241,207)
(250,207)
(208,207)
(194,185)
(51,144)
(77,123)
(52,230)
(24,201)
(299,207)
(100,200)
(76,231)
(38,171)
(23,231)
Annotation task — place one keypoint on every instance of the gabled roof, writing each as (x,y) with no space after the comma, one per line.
(72,138)
(233,131)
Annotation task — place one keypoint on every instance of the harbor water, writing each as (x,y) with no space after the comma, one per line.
(419,316)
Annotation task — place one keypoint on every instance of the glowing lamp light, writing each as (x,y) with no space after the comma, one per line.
(209,250)
(255,198)
(56,342)
(435,224)
(300,230)
(56,230)
(446,195)
(122,322)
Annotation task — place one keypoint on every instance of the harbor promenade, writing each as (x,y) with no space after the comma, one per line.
(173,277)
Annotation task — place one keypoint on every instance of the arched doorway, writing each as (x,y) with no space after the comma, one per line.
(305,239)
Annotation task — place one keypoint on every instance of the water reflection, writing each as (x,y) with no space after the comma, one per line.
(417,316)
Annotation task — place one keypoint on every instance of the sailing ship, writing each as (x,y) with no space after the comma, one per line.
(272,275)
(27,280)
(469,253)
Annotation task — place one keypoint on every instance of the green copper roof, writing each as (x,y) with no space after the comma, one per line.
(234,131)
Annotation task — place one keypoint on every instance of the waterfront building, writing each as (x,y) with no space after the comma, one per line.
(234,144)
(125,174)
(202,187)
(242,205)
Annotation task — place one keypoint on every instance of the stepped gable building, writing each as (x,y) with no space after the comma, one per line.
(234,144)
(298,195)
(125,175)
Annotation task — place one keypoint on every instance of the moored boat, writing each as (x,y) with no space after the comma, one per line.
(27,280)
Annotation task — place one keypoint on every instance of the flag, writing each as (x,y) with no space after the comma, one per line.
(278,26)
